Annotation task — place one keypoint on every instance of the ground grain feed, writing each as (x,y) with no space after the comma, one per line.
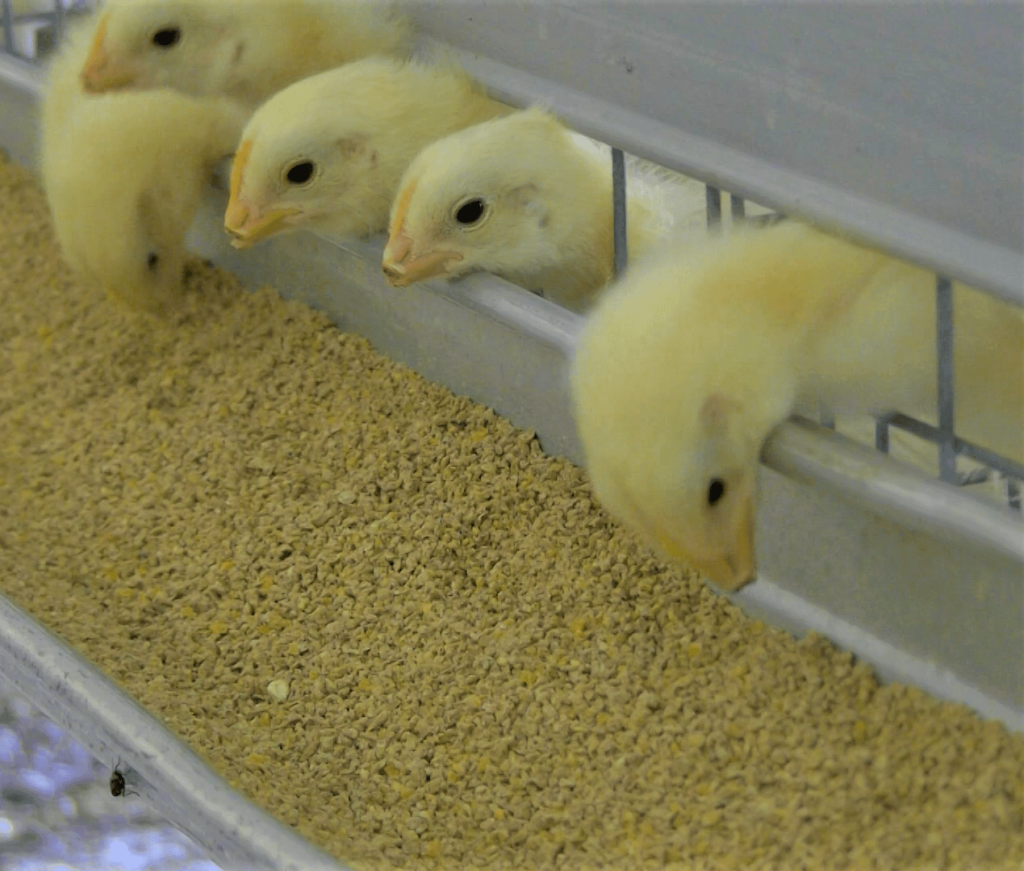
(383,614)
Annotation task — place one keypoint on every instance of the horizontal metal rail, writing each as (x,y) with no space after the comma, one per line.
(780,607)
(806,452)
(238,835)
(989,267)
(960,446)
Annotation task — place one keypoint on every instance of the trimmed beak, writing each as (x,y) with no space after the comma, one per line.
(730,572)
(99,74)
(248,226)
(400,267)
(243,220)
(401,270)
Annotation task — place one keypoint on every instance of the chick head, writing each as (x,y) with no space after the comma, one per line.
(487,198)
(143,44)
(132,248)
(671,410)
(146,273)
(125,175)
(299,166)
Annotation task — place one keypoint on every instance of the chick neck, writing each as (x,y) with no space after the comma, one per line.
(577,258)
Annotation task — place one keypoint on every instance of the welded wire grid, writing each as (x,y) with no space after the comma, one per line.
(32,28)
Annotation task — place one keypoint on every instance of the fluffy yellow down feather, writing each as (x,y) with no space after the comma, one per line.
(327,153)
(688,365)
(243,49)
(124,175)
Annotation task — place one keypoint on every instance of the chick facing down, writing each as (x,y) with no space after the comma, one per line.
(125,181)
(124,175)
(235,48)
(686,366)
(522,197)
(327,153)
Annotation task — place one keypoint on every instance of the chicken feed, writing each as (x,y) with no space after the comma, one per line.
(382,613)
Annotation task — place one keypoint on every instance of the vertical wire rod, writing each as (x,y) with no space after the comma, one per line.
(713,197)
(59,22)
(944,347)
(8,25)
(737,208)
(882,434)
(619,210)
(1013,495)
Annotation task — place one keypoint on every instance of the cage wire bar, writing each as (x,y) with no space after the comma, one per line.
(619,211)
(713,199)
(944,357)
(49,24)
(8,23)
(755,82)
(736,207)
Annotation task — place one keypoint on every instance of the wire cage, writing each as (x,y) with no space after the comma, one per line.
(958,515)
(33,29)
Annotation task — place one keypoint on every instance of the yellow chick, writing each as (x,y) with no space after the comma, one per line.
(124,175)
(327,153)
(689,363)
(525,198)
(235,48)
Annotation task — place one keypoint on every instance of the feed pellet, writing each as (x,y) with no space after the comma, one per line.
(382,613)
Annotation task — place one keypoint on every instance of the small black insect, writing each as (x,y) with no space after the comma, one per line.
(118,785)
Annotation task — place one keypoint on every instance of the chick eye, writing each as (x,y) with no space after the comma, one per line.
(153,261)
(165,37)
(470,213)
(300,173)
(716,490)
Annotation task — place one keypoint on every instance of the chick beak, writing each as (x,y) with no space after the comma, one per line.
(401,269)
(730,572)
(243,220)
(742,562)
(247,225)
(99,74)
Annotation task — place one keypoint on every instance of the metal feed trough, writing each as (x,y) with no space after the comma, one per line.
(898,124)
